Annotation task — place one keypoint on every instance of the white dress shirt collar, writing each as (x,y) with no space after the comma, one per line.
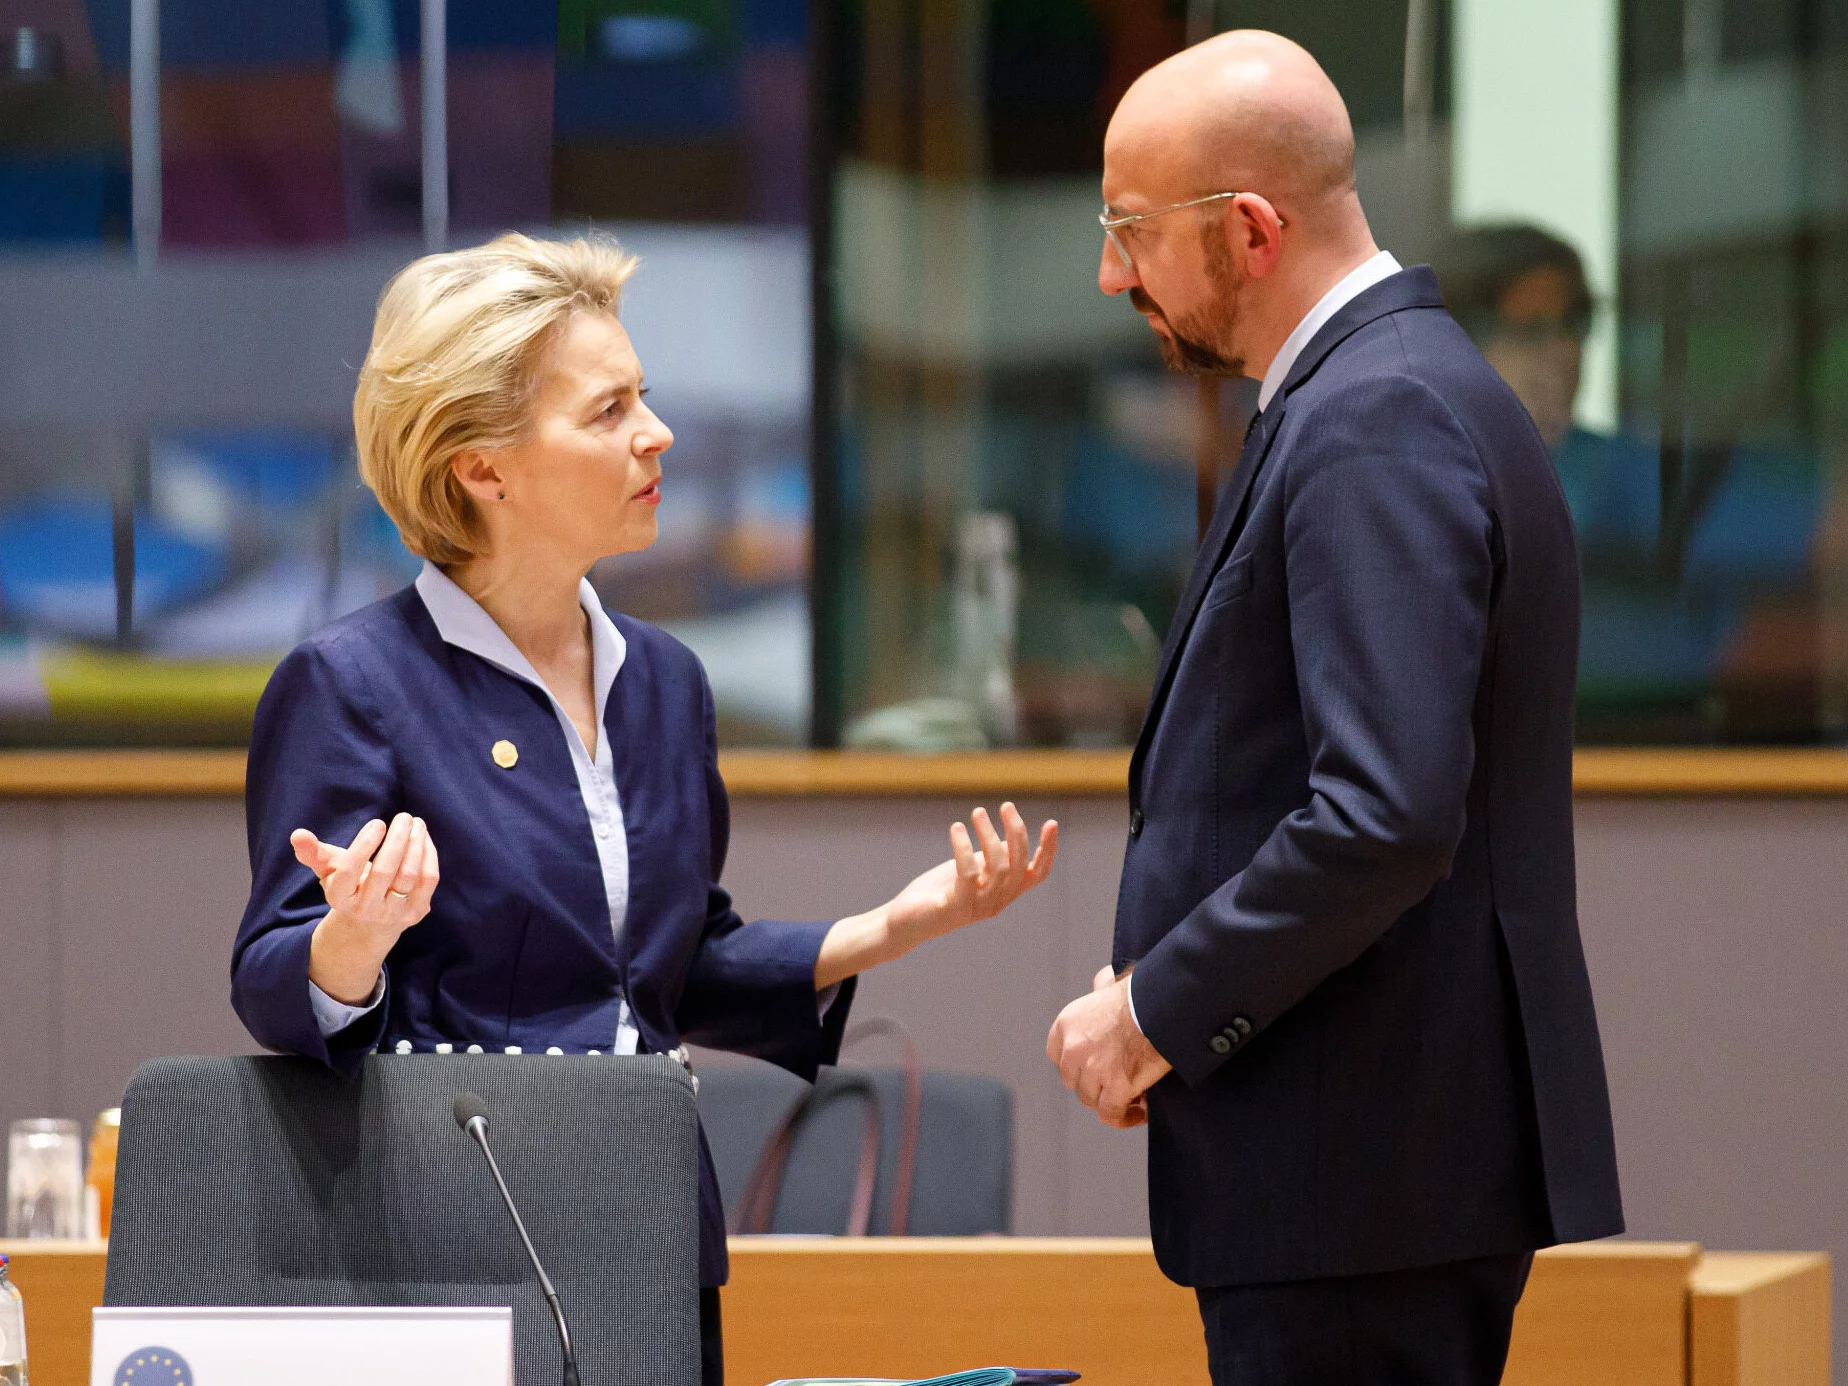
(1356,282)
(462,622)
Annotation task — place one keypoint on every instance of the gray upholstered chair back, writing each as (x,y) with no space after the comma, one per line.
(963,1183)
(272,1182)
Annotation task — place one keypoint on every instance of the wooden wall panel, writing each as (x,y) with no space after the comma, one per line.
(148,904)
(980,1001)
(29,963)
(1712,928)
(1714,935)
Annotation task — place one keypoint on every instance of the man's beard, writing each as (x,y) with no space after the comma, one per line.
(1186,352)
(1182,352)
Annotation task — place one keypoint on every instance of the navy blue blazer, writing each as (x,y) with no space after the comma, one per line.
(375,715)
(1348,887)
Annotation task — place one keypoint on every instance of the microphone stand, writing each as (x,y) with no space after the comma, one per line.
(477,1127)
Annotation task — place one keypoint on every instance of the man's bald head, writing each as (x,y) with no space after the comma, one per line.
(1247,110)
(1223,285)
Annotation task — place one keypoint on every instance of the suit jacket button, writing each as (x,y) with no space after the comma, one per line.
(1242,1025)
(1135,822)
(1221,1045)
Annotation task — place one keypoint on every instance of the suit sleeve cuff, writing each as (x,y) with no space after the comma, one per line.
(1187,1015)
(1129,995)
(331,1016)
(272,994)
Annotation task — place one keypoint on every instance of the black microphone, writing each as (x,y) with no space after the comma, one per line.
(472,1116)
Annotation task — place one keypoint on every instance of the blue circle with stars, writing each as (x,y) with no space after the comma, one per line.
(153,1366)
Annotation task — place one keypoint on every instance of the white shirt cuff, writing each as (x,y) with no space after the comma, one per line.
(824,1001)
(1129,995)
(333,1016)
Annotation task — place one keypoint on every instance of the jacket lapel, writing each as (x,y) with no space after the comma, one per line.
(1412,288)
(1219,537)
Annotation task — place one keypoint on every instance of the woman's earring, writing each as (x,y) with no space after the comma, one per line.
(500,495)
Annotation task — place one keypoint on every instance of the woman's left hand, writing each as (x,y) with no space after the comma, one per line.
(977,883)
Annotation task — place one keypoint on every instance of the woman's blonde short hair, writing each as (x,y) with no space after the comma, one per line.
(456,350)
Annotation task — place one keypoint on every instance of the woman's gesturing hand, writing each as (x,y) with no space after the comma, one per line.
(978,882)
(376,888)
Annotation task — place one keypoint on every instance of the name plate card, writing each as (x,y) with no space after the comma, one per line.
(301,1347)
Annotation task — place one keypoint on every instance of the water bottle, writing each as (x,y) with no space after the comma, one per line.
(984,611)
(12,1332)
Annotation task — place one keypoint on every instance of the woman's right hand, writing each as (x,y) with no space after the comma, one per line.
(376,887)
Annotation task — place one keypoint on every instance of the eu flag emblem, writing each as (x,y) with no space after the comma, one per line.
(153,1366)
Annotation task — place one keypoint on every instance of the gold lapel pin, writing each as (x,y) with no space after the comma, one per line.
(506,754)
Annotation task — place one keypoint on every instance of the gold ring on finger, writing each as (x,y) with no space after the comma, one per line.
(399,894)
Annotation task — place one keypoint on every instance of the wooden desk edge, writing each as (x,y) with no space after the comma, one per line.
(1598,772)
(121,774)
(1730,1273)
(1138,1248)
(1713,1272)
(23,1249)
(1719,1266)
(1669,1253)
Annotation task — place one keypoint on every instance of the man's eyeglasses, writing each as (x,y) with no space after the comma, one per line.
(1111,221)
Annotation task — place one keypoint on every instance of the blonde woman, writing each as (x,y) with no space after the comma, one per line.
(560,757)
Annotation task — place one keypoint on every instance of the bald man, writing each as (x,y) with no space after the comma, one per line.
(1348,994)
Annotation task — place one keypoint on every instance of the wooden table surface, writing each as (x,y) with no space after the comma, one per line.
(1601,1314)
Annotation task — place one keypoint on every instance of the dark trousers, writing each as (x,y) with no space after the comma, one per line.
(1441,1326)
(711,1339)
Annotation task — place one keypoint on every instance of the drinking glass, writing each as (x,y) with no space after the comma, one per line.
(44,1179)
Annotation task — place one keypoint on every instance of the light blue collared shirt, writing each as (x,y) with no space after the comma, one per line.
(462,622)
(1355,283)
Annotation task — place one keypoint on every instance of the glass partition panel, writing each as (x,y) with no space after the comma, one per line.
(1018,477)
(199,204)
(1636,207)
(1711,512)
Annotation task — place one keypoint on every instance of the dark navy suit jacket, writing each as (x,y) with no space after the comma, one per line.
(1348,887)
(375,715)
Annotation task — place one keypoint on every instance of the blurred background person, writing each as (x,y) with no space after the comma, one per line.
(1700,609)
